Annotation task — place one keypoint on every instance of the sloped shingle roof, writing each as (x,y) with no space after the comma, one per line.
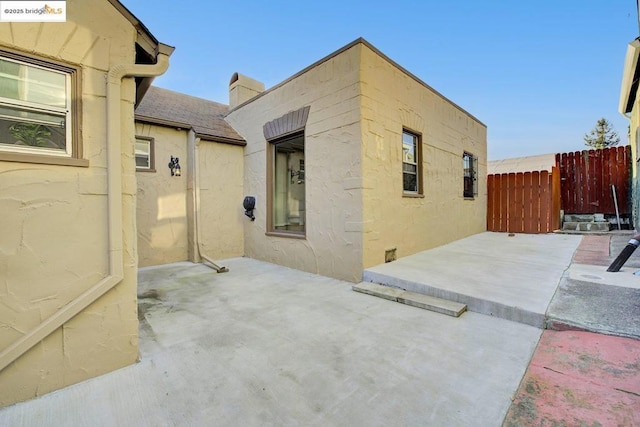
(165,107)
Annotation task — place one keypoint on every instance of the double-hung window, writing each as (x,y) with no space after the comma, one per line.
(411,164)
(37,107)
(470,175)
(144,154)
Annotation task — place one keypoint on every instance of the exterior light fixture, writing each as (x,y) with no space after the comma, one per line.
(174,165)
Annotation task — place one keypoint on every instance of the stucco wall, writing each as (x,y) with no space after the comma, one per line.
(391,100)
(635,177)
(333,170)
(221,172)
(164,214)
(161,213)
(53,244)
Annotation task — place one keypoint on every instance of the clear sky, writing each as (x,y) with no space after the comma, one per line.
(538,73)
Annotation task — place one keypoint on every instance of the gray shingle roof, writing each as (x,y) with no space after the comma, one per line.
(165,107)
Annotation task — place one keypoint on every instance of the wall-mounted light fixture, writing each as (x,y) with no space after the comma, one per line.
(249,204)
(174,165)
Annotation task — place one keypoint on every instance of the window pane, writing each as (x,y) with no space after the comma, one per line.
(143,154)
(22,82)
(32,129)
(288,201)
(410,182)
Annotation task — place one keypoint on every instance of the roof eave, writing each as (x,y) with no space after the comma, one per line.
(629,85)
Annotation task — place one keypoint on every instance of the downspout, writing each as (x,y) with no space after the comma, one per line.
(114,219)
(193,144)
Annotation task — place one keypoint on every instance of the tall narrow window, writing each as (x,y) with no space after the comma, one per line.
(36,107)
(411,163)
(288,185)
(144,154)
(470,172)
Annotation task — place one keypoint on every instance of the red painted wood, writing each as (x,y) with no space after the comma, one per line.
(586,179)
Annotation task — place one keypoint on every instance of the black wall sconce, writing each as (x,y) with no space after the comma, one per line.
(249,205)
(174,165)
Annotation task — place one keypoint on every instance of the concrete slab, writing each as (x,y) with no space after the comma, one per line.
(267,345)
(425,302)
(590,298)
(581,379)
(511,277)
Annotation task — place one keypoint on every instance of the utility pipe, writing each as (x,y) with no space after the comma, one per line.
(193,144)
(114,213)
(617,264)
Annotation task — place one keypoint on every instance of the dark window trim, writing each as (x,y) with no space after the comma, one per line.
(152,154)
(420,192)
(271,152)
(474,178)
(76,158)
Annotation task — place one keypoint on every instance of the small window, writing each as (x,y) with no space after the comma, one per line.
(287,195)
(470,175)
(144,154)
(38,114)
(411,163)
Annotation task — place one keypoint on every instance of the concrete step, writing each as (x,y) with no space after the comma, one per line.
(426,302)
(585,226)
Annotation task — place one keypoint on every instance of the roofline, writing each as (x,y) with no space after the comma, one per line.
(145,38)
(187,126)
(629,87)
(364,42)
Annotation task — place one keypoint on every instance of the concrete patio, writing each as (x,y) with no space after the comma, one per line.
(267,345)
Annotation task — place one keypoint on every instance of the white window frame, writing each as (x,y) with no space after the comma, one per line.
(65,111)
(150,154)
(417,162)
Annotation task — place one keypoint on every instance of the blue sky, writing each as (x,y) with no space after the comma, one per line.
(539,74)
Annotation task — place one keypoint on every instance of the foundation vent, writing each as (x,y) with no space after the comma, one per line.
(390,255)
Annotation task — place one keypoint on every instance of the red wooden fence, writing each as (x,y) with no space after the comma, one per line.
(524,202)
(587,177)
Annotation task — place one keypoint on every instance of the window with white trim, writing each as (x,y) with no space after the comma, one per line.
(36,107)
(144,154)
(411,163)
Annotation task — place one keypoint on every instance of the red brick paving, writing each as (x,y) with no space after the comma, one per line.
(580,379)
(593,250)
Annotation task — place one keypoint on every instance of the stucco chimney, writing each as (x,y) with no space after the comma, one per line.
(243,88)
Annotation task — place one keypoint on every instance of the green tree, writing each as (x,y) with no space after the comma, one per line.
(602,135)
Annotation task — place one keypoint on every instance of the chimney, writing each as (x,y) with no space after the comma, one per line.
(242,89)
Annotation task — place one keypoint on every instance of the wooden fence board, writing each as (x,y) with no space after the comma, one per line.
(586,180)
(523,202)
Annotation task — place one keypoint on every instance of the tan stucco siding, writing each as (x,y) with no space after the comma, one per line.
(220,181)
(54,241)
(161,212)
(333,170)
(393,100)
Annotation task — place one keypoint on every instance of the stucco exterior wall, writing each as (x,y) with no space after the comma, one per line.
(333,169)
(635,177)
(161,213)
(221,173)
(393,100)
(53,244)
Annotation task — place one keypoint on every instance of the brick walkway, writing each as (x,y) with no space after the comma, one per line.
(580,379)
(593,250)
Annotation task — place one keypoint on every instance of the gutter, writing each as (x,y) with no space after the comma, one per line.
(629,85)
(114,200)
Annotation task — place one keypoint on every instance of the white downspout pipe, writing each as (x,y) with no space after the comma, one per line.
(193,144)
(114,220)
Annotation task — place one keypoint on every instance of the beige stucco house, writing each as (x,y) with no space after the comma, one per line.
(181,217)
(68,257)
(630,108)
(354,161)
